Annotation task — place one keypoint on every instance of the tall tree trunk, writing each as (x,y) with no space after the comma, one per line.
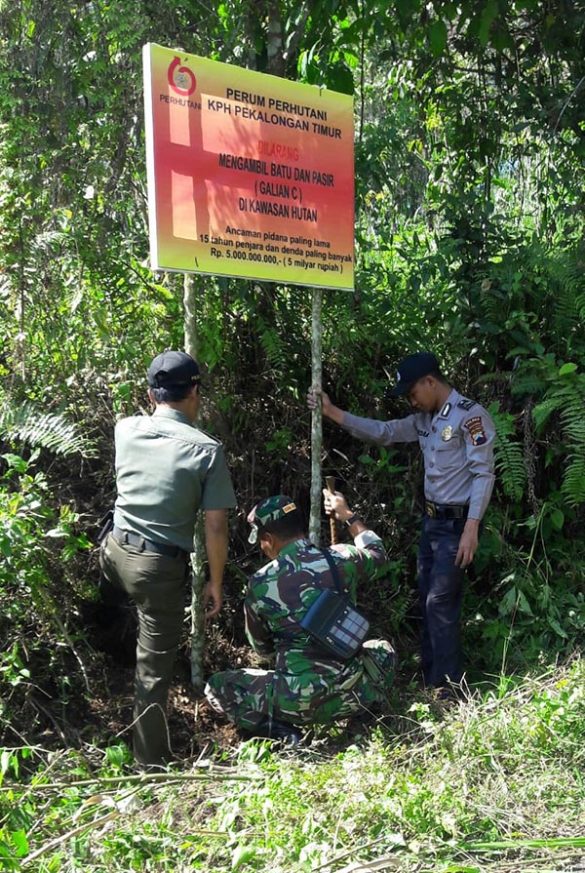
(197,558)
(274,46)
(316,418)
(20,347)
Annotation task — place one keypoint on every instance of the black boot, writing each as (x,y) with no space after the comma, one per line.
(278,730)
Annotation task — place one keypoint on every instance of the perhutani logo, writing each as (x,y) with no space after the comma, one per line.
(181,79)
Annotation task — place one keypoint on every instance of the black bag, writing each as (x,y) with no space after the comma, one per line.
(334,622)
(111,592)
(106,524)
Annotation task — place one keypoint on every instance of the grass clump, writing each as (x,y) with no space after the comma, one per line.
(492,783)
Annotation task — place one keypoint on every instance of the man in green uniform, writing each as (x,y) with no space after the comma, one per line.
(166,470)
(308,685)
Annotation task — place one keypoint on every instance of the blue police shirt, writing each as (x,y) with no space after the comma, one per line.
(457,445)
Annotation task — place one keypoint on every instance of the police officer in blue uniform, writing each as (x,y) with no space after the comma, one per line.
(456,437)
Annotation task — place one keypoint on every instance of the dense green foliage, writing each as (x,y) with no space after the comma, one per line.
(470,228)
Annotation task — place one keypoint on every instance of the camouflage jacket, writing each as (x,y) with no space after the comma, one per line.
(281,592)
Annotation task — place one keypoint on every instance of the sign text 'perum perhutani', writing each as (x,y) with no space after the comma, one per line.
(249,175)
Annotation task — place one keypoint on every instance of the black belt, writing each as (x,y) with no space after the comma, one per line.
(126,537)
(438,510)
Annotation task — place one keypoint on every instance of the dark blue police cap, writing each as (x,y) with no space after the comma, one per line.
(411,369)
(173,369)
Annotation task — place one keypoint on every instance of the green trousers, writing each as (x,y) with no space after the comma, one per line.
(156,584)
(321,693)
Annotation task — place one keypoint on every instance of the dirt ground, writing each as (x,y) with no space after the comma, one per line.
(102,715)
(84,697)
(193,725)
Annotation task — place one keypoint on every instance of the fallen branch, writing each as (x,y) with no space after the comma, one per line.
(351,853)
(57,841)
(143,778)
(544,843)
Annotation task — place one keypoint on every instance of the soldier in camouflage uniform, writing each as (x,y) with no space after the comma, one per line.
(307,685)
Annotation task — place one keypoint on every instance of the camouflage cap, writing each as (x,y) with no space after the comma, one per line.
(270,509)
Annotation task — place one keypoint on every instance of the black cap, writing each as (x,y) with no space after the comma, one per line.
(411,369)
(173,369)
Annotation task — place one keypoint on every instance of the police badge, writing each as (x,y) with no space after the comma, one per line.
(447,433)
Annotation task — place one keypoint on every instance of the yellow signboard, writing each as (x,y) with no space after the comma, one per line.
(249,175)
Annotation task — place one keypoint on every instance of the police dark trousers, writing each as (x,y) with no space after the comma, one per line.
(440,585)
(156,583)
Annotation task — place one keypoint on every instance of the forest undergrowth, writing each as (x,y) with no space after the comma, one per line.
(492,782)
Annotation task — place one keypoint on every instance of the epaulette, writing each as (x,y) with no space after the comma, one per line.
(211,438)
(466,404)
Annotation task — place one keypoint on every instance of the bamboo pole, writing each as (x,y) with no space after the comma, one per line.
(316,417)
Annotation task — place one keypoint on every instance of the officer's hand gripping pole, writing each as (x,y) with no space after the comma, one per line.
(330,482)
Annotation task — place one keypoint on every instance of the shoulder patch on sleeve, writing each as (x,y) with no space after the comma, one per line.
(466,404)
(476,430)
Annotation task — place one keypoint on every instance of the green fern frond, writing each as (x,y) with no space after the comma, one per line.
(494,377)
(511,469)
(49,239)
(567,397)
(273,347)
(574,481)
(573,486)
(527,384)
(509,454)
(543,411)
(567,284)
(51,431)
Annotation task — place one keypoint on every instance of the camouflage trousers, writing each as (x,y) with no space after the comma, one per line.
(318,695)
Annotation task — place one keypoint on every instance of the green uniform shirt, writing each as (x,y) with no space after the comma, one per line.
(166,470)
